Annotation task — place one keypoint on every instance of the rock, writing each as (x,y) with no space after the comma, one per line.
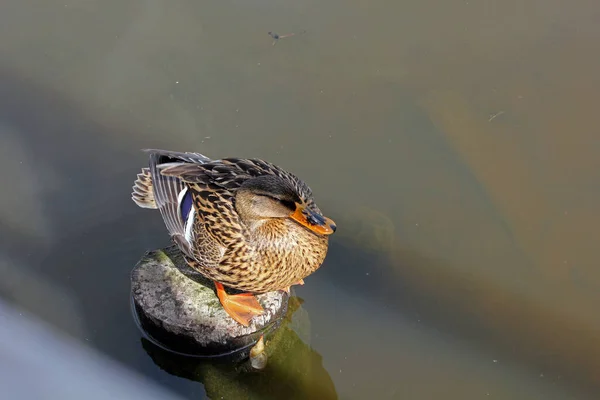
(177,309)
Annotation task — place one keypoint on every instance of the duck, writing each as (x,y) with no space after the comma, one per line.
(245,224)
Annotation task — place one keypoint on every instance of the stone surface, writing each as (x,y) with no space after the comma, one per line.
(178,309)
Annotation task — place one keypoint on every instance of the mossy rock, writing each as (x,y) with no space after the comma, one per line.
(177,309)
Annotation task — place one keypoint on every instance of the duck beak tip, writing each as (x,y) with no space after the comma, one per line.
(313,221)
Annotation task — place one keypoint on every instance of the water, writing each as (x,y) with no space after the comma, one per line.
(454,144)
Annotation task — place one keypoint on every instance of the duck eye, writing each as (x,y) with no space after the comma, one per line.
(286,203)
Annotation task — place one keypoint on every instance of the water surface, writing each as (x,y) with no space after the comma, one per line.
(454,143)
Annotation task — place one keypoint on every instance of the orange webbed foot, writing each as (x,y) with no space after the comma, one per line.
(241,307)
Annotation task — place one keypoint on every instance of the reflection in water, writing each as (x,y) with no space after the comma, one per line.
(294,370)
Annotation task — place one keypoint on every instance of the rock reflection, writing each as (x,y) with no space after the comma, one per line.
(294,369)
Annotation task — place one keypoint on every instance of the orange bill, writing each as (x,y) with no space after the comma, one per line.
(313,220)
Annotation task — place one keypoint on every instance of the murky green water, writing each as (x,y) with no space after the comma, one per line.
(454,143)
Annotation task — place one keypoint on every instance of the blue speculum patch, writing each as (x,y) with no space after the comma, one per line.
(186,205)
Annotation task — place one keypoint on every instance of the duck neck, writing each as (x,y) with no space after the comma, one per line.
(284,241)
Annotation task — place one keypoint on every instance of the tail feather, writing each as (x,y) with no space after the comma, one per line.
(152,189)
(143,192)
(169,190)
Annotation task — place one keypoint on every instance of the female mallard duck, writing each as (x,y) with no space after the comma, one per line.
(243,223)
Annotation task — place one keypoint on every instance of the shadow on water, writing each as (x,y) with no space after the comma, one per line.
(474,309)
(63,167)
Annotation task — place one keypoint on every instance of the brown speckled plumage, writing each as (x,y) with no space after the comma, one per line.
(224,243)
